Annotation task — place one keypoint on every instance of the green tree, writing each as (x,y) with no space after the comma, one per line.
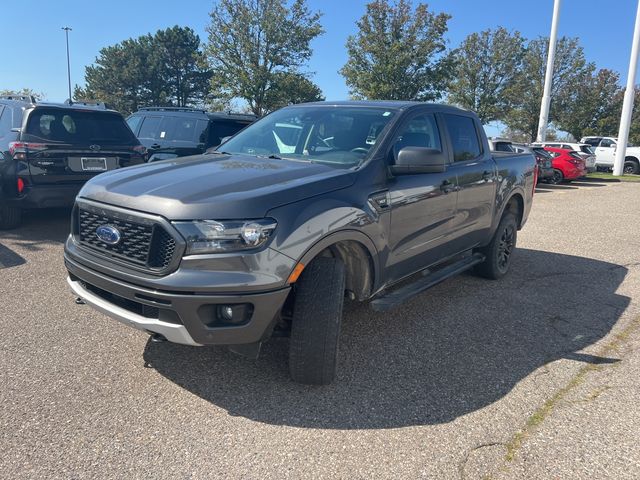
(608,125)
(23,92)
(399,53)
(254,44)
(487,65)
(591,99)
(290,88)
(570,65)
(164,69)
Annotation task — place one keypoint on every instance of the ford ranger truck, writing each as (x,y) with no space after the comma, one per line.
(312,204)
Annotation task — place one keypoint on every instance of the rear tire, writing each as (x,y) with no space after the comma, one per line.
(631,168)
(10,217)
(315,328)
(499,252)
(558,177)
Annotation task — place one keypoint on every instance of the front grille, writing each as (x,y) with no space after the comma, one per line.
(146,244)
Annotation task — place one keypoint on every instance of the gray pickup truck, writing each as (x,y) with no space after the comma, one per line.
(312,204)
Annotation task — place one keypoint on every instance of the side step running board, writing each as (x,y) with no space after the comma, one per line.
(396,297)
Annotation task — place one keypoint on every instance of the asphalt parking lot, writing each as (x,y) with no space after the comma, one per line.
(534,376)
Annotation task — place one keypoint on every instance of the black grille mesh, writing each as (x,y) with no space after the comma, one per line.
(143,245)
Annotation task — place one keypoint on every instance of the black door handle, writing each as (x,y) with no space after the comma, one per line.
(155,145)
(487,175)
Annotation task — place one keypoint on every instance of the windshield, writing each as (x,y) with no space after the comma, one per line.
(78,127)
(341,136)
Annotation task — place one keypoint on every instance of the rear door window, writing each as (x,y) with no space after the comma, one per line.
(607,143)
(464,137)
(150,128)
(503,147)
(78,127)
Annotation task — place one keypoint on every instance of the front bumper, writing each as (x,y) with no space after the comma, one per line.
(181,317)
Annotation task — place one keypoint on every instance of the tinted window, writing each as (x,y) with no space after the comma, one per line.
(134,122)
(422,131)
(5,121)
(503,147)
(607,143)
(464,137)
(221,129)
(150,128)
(77,126)
(568,147)
(586,149)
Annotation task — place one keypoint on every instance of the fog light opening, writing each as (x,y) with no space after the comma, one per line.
(234,314)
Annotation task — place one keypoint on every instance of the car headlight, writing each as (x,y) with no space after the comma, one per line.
(210,236)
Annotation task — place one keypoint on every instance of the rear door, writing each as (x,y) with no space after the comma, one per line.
(476,175)
(67,145)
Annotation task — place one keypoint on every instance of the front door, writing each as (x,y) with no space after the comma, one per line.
(606,153)
(422,205)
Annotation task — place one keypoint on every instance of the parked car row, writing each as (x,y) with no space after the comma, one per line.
(49,150)
(556,162)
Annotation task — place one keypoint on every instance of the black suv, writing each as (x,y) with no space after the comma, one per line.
(170,132)
(48,151)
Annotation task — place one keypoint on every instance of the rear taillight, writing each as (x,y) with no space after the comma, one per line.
(140,150)
(19,150)
(20,185)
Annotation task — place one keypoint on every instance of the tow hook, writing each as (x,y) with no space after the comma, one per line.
(79,301)
(158,338)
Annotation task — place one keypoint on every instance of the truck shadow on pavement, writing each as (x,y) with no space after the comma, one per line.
(453,350)
(39,227)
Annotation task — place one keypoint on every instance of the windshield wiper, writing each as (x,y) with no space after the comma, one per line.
(216,152)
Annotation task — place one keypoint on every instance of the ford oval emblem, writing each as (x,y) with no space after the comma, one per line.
(108,234)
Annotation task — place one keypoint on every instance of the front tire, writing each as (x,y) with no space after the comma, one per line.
(499,252)
(10,217)
(315,327)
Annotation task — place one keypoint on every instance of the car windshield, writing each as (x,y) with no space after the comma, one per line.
(341,137)
(84,127)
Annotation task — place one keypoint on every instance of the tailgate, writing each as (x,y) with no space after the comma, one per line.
(66,164)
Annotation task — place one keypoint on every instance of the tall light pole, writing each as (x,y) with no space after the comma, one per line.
(66,32)
(548,78)
(627,106)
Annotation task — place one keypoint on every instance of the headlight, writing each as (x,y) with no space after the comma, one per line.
(210,236)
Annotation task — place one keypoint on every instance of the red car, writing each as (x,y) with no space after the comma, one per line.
(567,165)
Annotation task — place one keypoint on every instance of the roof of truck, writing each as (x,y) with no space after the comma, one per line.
(396,104)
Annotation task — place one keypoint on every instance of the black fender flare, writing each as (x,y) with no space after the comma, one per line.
(345,235)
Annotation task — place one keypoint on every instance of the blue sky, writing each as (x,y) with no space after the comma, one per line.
(32,53)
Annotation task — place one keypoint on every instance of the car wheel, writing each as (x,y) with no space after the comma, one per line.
(499,252)
(557,178)
(10,217)
(631,168)
(315,326)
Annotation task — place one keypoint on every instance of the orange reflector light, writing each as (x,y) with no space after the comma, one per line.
(296,273)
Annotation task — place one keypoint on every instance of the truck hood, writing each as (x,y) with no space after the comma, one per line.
(214,187)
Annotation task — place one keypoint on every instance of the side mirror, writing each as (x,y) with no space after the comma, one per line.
(413,160)
(16,129)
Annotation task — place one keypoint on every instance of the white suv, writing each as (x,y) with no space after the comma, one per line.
(606,154)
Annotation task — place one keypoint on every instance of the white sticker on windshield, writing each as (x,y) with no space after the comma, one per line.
(162,134)
(386,114)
